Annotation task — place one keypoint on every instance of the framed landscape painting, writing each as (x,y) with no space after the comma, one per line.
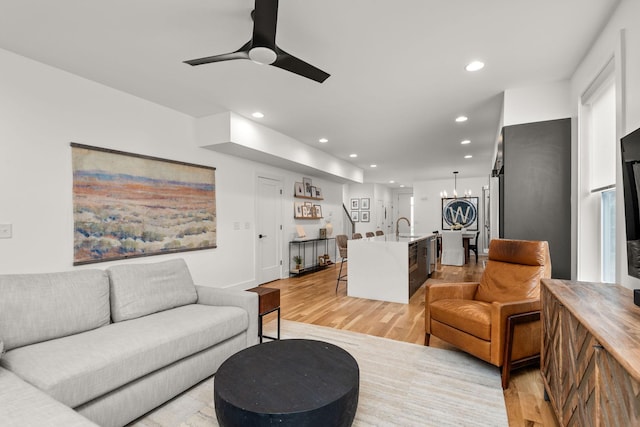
(127,205)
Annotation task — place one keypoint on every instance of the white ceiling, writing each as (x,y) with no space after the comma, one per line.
(397,67)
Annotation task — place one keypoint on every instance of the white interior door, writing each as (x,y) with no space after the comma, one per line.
(269,230)
(383,216)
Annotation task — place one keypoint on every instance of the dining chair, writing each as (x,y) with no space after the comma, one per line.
(341,241)
(477,317)
(452,249)
(379,233)
(357,236)
(370,234)
(474,247)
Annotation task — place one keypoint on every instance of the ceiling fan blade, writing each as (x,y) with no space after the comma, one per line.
(298,66)
(265,20)
(242,53)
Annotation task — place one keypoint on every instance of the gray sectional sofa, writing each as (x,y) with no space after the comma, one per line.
(106,347)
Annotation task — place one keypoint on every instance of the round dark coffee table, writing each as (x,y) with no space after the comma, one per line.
(287,383)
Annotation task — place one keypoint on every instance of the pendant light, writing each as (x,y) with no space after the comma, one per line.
(443,193)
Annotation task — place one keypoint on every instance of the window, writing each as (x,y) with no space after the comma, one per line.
(596,180)
(608,256)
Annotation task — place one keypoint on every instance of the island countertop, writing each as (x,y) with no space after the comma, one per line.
(402,238)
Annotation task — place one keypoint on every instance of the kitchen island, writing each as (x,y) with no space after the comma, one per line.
(389,268)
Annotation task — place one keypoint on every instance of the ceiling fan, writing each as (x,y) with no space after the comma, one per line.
(262,47)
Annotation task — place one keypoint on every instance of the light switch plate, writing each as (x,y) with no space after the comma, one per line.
(5,231)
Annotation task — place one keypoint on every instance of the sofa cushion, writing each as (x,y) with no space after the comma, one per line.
(141,289)
(40,307)
(21,404)
(79,368)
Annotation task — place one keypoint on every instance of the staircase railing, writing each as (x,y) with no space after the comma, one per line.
(349,226)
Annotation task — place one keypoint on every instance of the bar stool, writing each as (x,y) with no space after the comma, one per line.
(341,241)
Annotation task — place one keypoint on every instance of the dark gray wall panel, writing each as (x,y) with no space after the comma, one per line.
(537,188)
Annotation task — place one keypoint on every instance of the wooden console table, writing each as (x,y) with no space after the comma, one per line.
(591,353)
(309,250)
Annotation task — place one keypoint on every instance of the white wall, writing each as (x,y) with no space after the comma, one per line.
(428,204)
(43,109)
(379,199)
(620,39)
(536,104)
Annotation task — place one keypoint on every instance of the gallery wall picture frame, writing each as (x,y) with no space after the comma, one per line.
(364,216)
(307,182)
(130,205)
(318,194)
(355,204)
(364,204)
(355,216)
(297,209)
(299,189)
(317,211)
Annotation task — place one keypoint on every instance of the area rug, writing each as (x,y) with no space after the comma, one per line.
(401,384)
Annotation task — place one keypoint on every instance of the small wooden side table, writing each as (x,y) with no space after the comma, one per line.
(268,302)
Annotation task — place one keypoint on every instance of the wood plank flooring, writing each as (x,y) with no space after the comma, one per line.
(312,298)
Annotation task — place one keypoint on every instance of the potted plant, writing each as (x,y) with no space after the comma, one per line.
(298,260)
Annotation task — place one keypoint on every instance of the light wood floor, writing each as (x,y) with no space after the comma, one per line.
(312,299)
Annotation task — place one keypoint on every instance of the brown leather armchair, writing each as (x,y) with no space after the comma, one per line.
(473,316)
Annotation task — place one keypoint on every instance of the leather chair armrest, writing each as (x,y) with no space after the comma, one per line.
(500,311)
(439,291)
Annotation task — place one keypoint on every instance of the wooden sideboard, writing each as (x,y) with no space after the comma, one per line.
(590,359)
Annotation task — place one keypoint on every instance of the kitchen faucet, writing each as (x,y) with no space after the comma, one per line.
(398,223)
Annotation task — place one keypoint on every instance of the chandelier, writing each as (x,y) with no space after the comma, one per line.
(444,195)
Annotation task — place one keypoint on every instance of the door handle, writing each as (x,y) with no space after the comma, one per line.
(260,236)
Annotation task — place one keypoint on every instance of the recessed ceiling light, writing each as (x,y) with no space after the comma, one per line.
(468,156)
(461,119)
(474,66)
(258,115)
(392,182)
(323,140)
(373,166)
(401,185)
(353,155)
(465,142)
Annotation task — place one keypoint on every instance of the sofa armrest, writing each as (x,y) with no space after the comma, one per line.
(22,404)
(235,298)
(500,311)
(439,291)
